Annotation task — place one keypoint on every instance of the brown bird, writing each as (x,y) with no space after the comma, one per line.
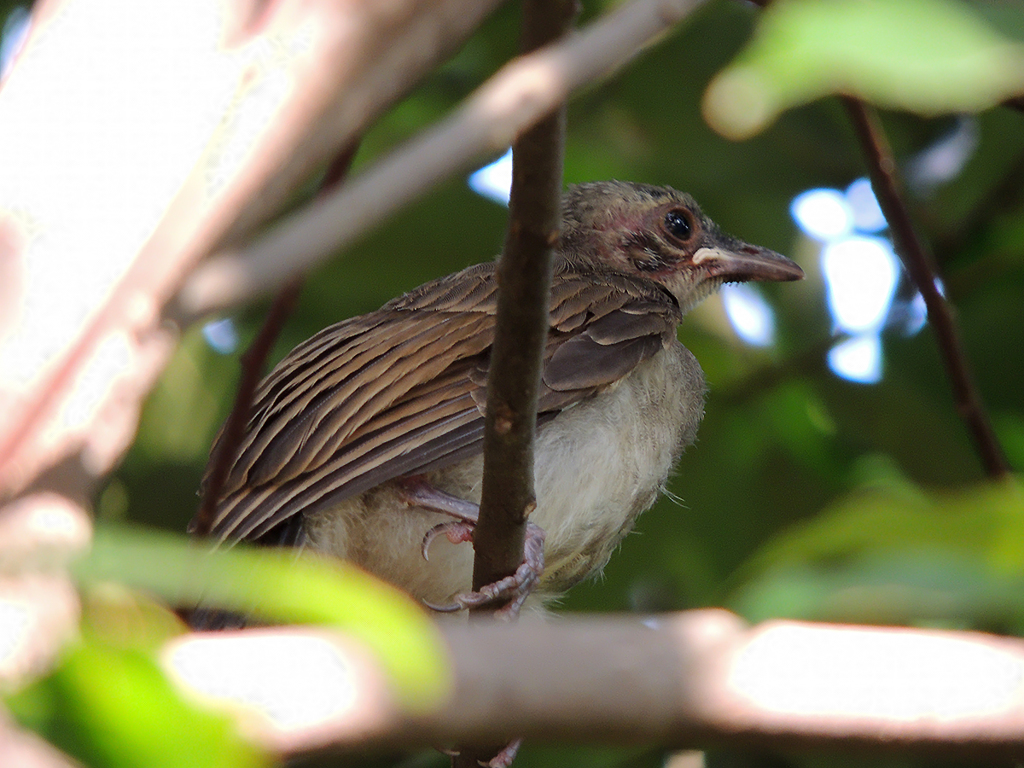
(366,440)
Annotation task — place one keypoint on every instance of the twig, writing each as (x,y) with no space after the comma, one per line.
(524,280)
(252,364)
(885,179)
(511,101)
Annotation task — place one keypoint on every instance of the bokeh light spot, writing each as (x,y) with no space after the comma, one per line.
(823,214)
(867,215)
(858,359)
(222,335)
(751,316)
(494,181)
(861,275)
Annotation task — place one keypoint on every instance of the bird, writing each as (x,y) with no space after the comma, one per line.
(365,442)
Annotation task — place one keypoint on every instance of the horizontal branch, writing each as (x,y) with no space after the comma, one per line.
(680,680)
(511,101)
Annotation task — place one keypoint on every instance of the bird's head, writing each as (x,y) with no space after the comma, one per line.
(662,235)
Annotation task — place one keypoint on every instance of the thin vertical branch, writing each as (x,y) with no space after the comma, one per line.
(252,364)
(919,264)
(524,279)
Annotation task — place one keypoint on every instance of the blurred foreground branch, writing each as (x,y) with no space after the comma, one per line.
(92,250)
(683,680)
(511,101)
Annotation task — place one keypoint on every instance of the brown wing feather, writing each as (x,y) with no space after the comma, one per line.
(401,390)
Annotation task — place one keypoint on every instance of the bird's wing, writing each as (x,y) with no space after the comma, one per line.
(401,390)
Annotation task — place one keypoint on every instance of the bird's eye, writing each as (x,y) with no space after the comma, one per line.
(678,225)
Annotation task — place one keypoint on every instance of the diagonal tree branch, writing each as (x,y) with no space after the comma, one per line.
(515,98)
(231,118)
(919,264)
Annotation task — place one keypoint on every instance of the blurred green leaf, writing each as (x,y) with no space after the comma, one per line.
(895,553)
(112,706)
(926,56)
(911,587)
(283,586)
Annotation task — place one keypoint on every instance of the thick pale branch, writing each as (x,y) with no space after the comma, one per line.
(500,110)
(691,679)
(226,113)
(195,124)
(23,749)
(919,264)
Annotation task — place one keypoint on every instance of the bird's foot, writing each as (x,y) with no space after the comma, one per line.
(417,492)
(502,759)
(515,588)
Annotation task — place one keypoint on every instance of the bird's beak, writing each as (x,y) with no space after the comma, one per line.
(738,262)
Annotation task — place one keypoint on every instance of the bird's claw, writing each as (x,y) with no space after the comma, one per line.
(502,759)
(457,532)
(505,757)
(515,588)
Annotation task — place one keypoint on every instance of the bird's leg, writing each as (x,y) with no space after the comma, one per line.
(515,588)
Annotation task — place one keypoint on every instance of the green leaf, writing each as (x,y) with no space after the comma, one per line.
(894,553)
(111,706)
(925,56)
(911,587)
(282,586)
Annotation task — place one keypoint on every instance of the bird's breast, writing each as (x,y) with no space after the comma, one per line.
(602,462)
(598,465)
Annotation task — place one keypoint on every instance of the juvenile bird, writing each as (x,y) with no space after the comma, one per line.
(366,441)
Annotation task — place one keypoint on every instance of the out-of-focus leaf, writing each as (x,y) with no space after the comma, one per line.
(926,56)
(280,585)
(896,553)
(928,585)
(112,706)
(128,619)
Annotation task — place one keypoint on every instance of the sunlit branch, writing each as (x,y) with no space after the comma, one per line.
(693,679)
(515,98)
